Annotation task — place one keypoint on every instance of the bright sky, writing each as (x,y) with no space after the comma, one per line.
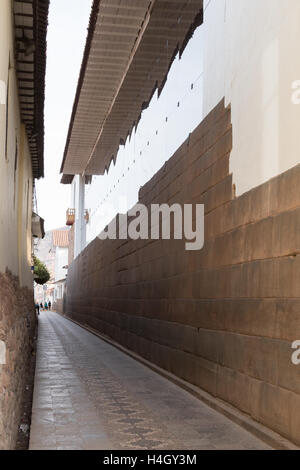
(68,22)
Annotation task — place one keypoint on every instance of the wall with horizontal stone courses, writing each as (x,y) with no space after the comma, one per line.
(71,245)
(58,306)
(222,318)
(17,330)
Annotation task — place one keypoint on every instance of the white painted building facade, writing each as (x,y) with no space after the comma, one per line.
(61,247)
(61,261)
(16,178)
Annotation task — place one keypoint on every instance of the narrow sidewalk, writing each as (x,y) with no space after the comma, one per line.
(89,395)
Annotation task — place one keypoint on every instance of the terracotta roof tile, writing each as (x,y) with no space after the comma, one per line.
(60,238)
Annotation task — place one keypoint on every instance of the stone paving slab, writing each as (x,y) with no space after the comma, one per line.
(89,395)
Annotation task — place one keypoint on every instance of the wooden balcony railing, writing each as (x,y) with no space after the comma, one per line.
(71,216)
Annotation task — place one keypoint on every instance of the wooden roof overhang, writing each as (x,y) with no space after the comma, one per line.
(31,22)
(130,47)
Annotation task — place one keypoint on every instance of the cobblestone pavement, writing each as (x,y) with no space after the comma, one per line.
(90,395)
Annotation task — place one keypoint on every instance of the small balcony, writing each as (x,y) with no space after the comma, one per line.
(71,216)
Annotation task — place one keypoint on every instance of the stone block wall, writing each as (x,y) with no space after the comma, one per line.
(222,318)
(17,331)
(71,245)
(58,306)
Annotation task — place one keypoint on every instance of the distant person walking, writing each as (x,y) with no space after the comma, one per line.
(49,304)
(46,306)
(41,306)
(37,308)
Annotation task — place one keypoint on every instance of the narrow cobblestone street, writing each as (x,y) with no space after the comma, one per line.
(90,395)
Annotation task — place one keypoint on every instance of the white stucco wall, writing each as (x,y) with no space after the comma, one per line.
(59,290)
(61,259)
(251,56)
(15,186)
(77,202)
